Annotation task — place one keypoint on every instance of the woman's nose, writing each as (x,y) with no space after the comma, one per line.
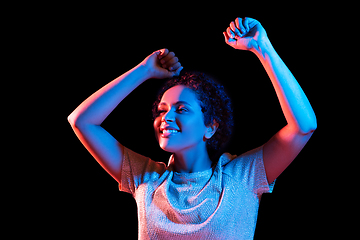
(168,117)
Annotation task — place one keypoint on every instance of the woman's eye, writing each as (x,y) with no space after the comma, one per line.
(181,110)
(160,111)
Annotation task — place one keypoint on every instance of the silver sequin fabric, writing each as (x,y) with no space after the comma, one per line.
(219,203)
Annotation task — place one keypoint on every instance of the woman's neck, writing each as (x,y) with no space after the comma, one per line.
(192,160)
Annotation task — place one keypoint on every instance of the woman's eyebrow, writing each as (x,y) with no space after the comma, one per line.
(177,103)
(182,102)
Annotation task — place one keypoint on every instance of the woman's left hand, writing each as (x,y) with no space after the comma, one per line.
(162,64)
(245,34)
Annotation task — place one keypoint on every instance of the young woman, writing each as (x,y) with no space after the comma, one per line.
(197,196)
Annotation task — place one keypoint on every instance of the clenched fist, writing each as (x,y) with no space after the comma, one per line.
(162,64)
(245,34)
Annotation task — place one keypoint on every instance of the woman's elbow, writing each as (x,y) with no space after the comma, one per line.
(73,120)
(310,127)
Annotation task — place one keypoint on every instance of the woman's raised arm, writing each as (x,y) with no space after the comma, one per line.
(284,146)
(87,117)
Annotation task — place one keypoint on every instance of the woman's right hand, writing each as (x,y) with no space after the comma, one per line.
(162,64)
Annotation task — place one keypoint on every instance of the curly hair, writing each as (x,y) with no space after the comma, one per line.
(214,102)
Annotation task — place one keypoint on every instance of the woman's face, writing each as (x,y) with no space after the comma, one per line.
(180,123)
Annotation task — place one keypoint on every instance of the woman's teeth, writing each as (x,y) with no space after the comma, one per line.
(170,131)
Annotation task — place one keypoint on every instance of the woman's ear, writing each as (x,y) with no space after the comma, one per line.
(211,129)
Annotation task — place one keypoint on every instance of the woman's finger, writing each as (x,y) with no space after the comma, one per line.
(171,62)
(177,72)
(239,25)
(175,66)
(246,24)
(226,37)
(169,56)
(234,29)
(230,33)
(228,40)
(164,53)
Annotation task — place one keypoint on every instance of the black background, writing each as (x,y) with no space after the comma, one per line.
(88,46)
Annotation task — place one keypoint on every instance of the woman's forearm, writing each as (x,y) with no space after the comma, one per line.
(99,105)
(294,103)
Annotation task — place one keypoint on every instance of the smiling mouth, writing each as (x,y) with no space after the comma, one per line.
(168,132)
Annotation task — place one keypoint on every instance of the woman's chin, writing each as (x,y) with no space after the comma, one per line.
(164,145)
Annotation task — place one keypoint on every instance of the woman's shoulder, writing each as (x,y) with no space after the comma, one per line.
(229,162)
(246,170)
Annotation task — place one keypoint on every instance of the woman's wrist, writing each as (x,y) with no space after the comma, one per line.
(262,48)
(143,71)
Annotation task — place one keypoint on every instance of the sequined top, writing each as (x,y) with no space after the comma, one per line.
(219,203)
